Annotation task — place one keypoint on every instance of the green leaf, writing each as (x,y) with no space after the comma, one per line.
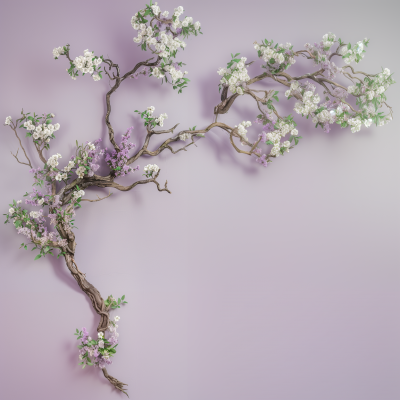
(38,256)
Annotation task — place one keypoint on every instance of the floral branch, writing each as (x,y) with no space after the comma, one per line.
(61,190)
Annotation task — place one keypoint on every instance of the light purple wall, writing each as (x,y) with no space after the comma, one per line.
(245,283)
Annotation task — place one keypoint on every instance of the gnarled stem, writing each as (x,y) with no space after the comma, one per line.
(98,305)
(115,382)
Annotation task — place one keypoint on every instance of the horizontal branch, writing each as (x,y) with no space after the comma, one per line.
(99,198)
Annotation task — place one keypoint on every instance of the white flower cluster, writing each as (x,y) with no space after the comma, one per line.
(186,22)
(35,214)
(324,116)
(91,146)
(355,124)
(371,93)
(11,211)
(71,164)
(57,52)
(8,120)
(41,131)
(150,110)
(275,55)
(185,136)
(367,122)
(276,136)
(175,74)
(87,64)
(267,53)
(160,120)
(294,87)
(157,10)
(164,42)
(81,171)
(166,45)
(60,176)
(309,103)
(355,53)
(159,72)
(53,160)
(178,11)
(235,76)
(241,128)
(375,87)
(150,169)
(328,40)
(78,194)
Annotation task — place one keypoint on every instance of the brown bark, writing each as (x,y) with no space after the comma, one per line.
(98,305)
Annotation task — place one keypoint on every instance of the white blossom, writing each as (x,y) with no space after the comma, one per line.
(241,130)
(35,214)
(58,51)
(86,64)
(8,120)
(60,176)
(151,169)
(160,119)
(81,171)
(70,165)
(184,136)
(53,160)
(76,195)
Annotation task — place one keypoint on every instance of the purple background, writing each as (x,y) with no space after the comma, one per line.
(245,283)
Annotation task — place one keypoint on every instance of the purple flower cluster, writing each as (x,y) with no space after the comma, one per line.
(36,230)
(39,177)
(322,59)
(94,157)
(116,160)
(97,352)
(261,159)
(33,197)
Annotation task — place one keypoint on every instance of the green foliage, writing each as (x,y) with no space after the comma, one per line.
(115,303)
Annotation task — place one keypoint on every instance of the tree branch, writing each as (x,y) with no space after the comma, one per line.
(99,199)
(14,128)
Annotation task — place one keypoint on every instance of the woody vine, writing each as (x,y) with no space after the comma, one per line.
(59,191)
